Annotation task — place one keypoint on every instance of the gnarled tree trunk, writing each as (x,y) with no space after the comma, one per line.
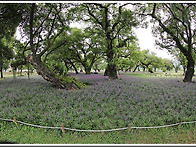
(64,82)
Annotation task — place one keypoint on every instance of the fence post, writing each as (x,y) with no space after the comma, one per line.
(63,129)
(180,123)
(128,128)
(15,122)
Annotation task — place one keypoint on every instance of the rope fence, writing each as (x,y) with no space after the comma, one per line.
(78,130)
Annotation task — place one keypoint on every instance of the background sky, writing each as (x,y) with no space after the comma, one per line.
(147,41)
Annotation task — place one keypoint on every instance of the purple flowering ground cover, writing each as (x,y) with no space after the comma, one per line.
(104,104)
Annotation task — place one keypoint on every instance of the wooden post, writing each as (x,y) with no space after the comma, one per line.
(63,129)
(180,123)
(128,128)
(15,122)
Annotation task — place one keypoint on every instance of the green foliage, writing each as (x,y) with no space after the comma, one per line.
(115,23)
(167,65)
(68,80)
(6,53)
(82,47)
(10,17)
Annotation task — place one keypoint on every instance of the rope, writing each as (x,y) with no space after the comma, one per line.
(118,129)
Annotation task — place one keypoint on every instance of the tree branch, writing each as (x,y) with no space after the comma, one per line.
(178,43)
(92,15)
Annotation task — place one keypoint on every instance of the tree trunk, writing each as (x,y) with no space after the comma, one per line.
(150,70)
(136,67)
(28,73)
(21,72)
(144,69)
(190,70)
(106,72)
(87,70)
(176,69)
(14,74)
(111,70)
(72,64)
(60,81)
(1,69)
(184,69)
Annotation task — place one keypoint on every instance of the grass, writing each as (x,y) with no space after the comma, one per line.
(185,134)
(158,74)
(10,98)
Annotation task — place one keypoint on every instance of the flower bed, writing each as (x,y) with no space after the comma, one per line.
(105,104)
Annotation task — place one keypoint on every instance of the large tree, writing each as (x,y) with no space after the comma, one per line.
(83,46)
(174,24)
(110,19)
(46,22)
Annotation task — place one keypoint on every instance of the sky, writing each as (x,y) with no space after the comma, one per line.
(147,41)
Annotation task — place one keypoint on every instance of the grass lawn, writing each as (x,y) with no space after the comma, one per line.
(135,98)
(185,134)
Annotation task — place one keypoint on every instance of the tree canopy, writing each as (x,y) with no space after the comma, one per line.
(107,38)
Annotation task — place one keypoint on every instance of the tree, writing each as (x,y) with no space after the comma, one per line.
(6,53)
(157,63)
(85,47)
(181,58)
(167,65)
(127,56)
(46,22)
(19,58)
(176,29)
(110,19)
(10,16)
(82,47)
(148,60)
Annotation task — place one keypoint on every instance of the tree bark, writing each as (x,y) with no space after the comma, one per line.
(190,70)
(111,70)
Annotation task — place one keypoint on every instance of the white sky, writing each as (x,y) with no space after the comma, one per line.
(147,41)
